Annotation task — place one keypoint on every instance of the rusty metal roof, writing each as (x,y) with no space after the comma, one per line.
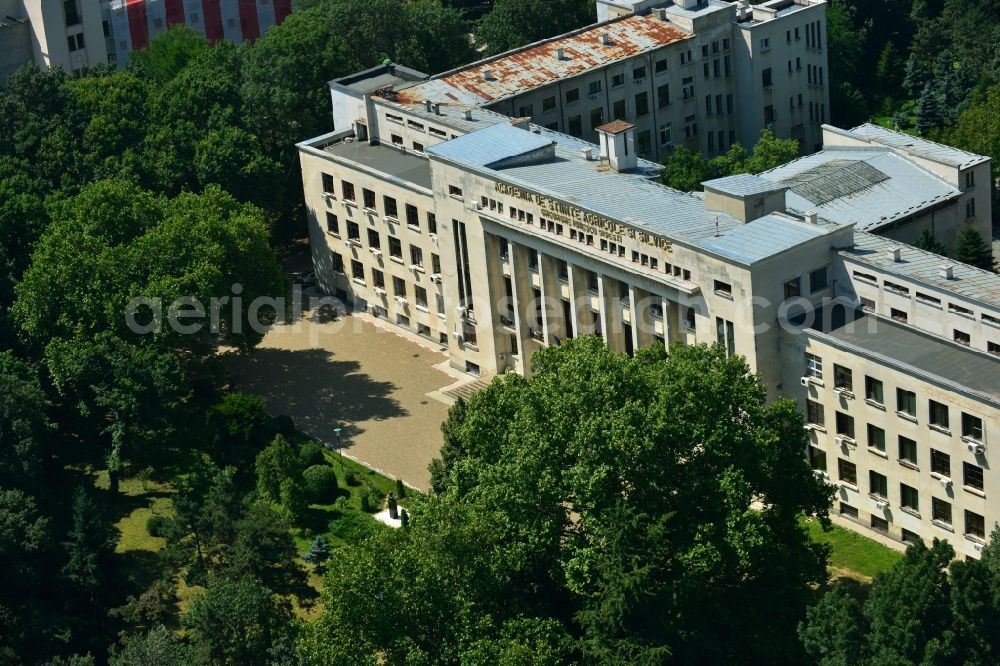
(539,64)
(615,127)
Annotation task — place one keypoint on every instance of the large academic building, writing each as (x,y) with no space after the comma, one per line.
(495,236)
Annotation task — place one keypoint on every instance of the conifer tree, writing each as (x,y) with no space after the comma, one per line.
(973,250)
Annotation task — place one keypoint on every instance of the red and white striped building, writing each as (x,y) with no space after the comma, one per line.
(131,24)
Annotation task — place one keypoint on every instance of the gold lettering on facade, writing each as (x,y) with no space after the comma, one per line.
(590,223)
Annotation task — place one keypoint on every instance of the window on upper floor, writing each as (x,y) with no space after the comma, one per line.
(907,450)
(328,186)
(940,463)
(368,198)
(873,390)
(814,366)
(817,280)
(972,427)
(843,378)
(906,402)
(938,414)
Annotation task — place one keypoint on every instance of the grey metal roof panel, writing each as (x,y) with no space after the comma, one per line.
(922,266)
(762,238)
(490,145)
(917,146)
(870,187)
(742,185)
(635,198)
(392,161)
(977,371)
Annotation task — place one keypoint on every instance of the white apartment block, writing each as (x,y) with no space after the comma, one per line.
(496,236)
(63,34)
(703,75)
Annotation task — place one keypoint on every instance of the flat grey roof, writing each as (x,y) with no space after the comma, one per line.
(380,77)
(922,266)
(977,371)
(385,159)
(635,197)
(870,186)
(917,146)
(742,185)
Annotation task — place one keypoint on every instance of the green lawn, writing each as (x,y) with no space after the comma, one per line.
(851,554)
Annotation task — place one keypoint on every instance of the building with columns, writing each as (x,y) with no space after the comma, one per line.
(496,236)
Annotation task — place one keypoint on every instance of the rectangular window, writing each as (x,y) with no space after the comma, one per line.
(666,134)
(416,256)
(596,117)
(962,338)
(420,297)
(641,104)
(873,390)
(817,458)
(618,110)
(617,80)
(814,413)
(880,524)
(940,511)
(432,225)
(661,65)
(970,208)
(663,95)
(793,288)
(332,226)
(594,87)
(847,471)
(337,262)
(378,278)
(975,525)
(972,427)
(909,497)
(766,80)
(940,463)
(454,191)
(395,248)
(845,425)
(576,126)
(369,198)
(548,104)
(723,288)
(898,315)
(347,190)
(907,450)
(848,510)
(817,280)
(906,402)
(353,231)
(399,287)
(390,207)
(412,216)
(843,378)
(878,485)
(876,438)
(357,269)
(639,73)
(972,475)
(328,186)
(814,366)
(572,95)
(374,241)
(938,414)
(865,277)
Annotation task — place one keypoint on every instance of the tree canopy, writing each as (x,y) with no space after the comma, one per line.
(605,507)
(686,170)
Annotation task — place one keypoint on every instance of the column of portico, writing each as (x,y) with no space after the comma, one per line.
(642,324)
(495,278)
(553,321)
(611,320)
(524,314)
(582,320)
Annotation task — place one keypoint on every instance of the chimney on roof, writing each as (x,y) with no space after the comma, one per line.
(427,105)
(467,114)
(662,14)
(560,53)
(487,75)
(812,217)
(437,108)
(605,39)
(524,122)
(947,271)
(894,252)
(618,145)
(588,153)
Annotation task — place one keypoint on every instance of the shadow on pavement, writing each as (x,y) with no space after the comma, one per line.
(319,392)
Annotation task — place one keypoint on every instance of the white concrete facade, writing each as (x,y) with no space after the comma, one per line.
(50,33)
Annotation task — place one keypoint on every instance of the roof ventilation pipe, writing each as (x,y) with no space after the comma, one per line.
(895,252)
(947,271)
(487,75)
(812,217)
(467,114)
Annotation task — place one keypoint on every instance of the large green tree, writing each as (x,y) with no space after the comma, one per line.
(514,23)
(645,505)
(973,250)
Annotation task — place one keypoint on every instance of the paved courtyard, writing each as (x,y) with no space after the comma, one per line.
(356,374)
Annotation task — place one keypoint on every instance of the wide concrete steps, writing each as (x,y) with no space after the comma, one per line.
(466,388)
